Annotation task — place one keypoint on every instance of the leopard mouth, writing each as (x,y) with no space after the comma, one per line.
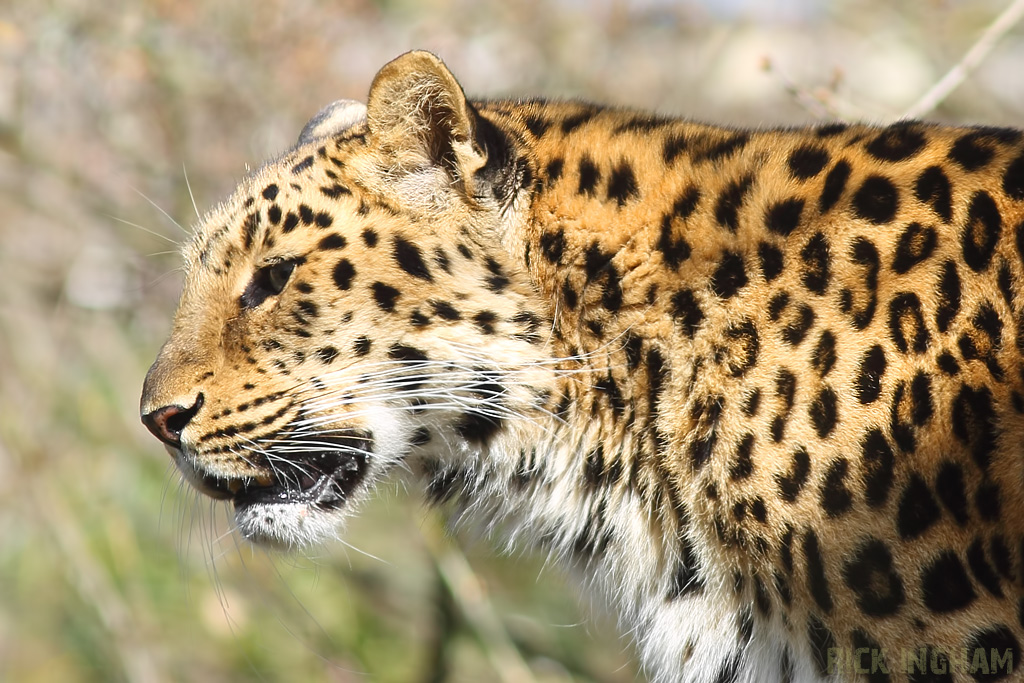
(323,477)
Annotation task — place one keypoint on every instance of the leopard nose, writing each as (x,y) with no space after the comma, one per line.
(167,423)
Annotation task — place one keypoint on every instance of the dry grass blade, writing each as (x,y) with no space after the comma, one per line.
(999,27)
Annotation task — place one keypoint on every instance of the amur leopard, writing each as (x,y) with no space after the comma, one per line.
(764,389)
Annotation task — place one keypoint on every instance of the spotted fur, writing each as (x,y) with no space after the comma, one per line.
(763,387)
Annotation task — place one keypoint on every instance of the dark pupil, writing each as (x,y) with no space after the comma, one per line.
(278,274)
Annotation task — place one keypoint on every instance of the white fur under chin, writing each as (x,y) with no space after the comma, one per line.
(288,526)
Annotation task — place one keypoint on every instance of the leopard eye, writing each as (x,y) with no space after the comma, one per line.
(268,281)
(277,275)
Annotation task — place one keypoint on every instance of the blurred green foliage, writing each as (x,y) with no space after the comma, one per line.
(111,570)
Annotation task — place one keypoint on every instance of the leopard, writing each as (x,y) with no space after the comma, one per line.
(760,390)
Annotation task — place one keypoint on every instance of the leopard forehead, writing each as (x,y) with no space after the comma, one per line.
(767,386)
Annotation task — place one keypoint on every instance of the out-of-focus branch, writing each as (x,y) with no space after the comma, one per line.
(819,103)
(474,605)
(970,61)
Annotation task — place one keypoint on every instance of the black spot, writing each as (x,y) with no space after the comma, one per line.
(410,259)
(723,149)
(797,328)
(947,363)
(343,274)
(970,151)
(906,323)
(981,231)
(806,162)
(596,261)
(829,130)
(327,354)
(291,221)
(948,296)
(730,276)
(836,499)
(871,575)
(914,246)
(949,485)
(406,353)
(771,261)
(821,641)
(791,483)
(270,192)
(676,250)
(302,165)
(752,403)
(369,236)
(776,305)
(870,658)
(817,581)
(988,502)
(974,423)
(876,200)
(552,245)
(633,347)
(898,142)
(674,146)
(306,214)
(785,387)
(569,295)
(729,671)
(484,320)
(877,467)
(445,310)
(933,188)
(743,347)
(869,377)
(835,183)
(1002,652)
(249,227)
(334,191)
(918,510)
(817,270)
(687,311)
(537,125)
(982,570)
(478,428)
(1013,179)
(384,295)
(419,437)
(571,123)
(332,241)
(274,214)
(743,465)
(622,184)
(361,346)
(945,586)
(553,170)
(497,281)
(864,254)
(783,217)
(824,356)
(729,202)
(786,550)
(590,175)
(823,412)
(308,308)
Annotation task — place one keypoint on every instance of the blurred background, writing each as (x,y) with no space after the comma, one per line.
(109,569)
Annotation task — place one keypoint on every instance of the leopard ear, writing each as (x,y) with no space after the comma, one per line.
(419,117)
(336,117)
